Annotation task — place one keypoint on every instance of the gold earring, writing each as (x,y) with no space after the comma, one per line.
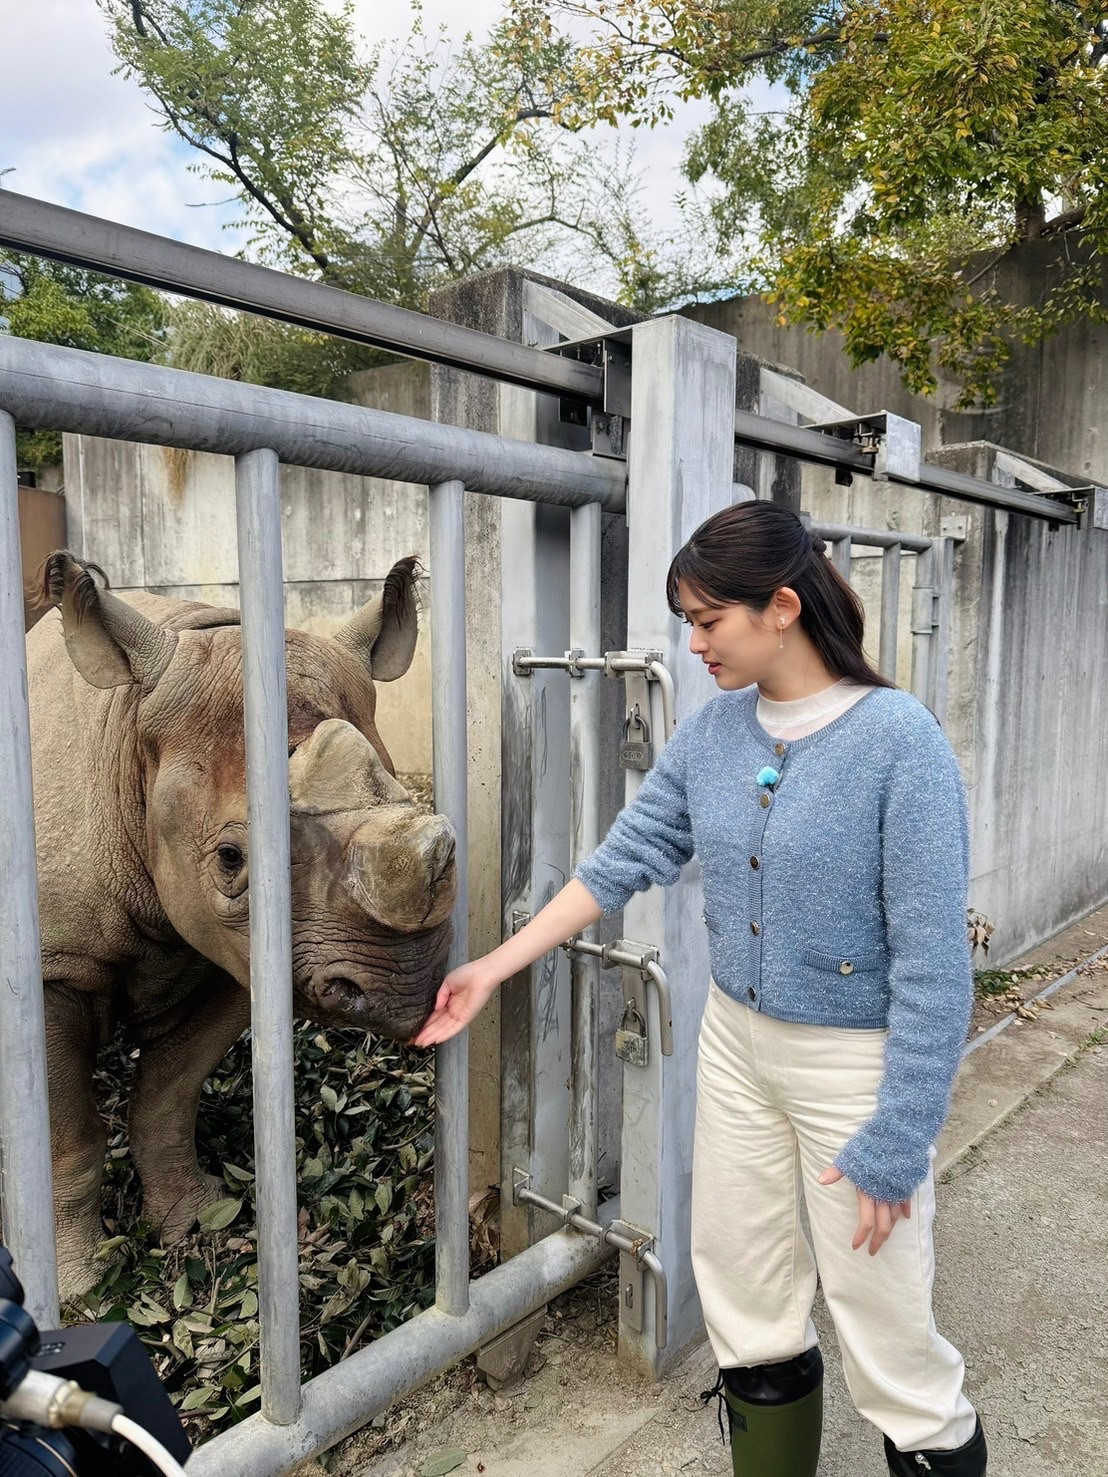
(781,636)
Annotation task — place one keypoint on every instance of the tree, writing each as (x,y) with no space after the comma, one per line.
(907,148)
(63,305)
(392,173)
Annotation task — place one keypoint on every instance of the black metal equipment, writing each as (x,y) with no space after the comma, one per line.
(104,1358)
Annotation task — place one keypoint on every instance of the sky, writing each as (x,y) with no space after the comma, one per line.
(74,134)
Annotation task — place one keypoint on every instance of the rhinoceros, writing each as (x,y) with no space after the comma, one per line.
(143,862)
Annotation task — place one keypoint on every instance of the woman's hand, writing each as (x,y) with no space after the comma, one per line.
(876,1218)
(461,995)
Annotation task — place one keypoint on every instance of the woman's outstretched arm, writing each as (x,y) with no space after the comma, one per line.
(466,989)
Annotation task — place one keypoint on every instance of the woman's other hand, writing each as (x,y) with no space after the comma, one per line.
(876,1218)
(461,996)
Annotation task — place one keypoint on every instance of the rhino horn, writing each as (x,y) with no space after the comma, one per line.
(338,768)
(383,633)
(108,641)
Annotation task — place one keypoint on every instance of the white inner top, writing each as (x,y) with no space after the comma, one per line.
(804,715)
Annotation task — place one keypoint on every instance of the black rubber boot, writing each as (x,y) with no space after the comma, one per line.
(775,1412)
(970,1460)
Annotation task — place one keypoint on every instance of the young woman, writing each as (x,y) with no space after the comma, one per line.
(828,813)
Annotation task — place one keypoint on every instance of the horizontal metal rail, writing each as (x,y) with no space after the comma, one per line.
(973,490)
(835,451)
(350,1394)
(87,241)
(874,538)
(51,388)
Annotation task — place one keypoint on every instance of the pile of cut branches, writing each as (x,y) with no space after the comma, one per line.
(364,1145)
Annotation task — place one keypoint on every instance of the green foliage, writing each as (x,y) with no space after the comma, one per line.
(908,147)
(364,1140)
(63,305)
(391,173)
(207,339)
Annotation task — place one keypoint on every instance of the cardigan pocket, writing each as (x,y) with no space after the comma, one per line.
(845,963)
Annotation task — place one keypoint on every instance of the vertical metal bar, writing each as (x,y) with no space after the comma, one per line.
(584,748)
(679,472)
(922,625)
(449,761)
(890,610)
(840,557)
(26,1184)
(940,646)
(258,511)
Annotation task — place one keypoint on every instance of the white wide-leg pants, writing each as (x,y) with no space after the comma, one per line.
(776,1102)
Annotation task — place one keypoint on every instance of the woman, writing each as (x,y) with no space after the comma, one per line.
(828,814)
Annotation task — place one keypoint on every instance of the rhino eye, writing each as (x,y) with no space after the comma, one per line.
(230,857)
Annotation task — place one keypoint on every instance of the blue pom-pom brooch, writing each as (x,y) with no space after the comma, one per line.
(767,776)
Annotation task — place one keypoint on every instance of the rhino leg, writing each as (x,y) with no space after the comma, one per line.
(170,1076)
(78,1137)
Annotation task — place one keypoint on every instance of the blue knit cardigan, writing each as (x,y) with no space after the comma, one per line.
(834,894)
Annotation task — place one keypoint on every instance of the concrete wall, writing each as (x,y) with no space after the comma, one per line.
(164,520)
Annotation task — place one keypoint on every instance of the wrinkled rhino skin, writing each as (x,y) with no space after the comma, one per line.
(143,862)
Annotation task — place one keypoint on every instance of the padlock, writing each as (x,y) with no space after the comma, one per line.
(631,1036)
(637,752)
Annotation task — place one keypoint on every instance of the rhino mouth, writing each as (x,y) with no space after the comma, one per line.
(390,998)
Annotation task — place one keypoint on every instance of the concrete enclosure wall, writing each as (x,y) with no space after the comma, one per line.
(163,520)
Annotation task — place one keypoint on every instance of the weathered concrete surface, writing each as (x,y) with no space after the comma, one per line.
(163,520)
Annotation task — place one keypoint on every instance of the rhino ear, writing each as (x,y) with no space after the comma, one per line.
(383,633)
(108,641)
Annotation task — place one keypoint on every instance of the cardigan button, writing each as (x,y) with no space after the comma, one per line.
(765,801)
(755,863)
(846,967)
(779,749)
(755,929)
(752,992)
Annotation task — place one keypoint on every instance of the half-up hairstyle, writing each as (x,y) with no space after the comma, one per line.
(744,554)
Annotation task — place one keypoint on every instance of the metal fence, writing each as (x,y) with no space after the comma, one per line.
(678,465)
(70,391)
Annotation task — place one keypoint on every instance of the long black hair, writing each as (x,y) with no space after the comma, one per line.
(746,553)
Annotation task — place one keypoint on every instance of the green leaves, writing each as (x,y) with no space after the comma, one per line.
(365,1138)
(902,150)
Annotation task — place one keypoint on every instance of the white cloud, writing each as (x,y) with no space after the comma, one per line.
(76,135)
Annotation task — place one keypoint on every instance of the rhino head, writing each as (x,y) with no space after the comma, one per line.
(373,875)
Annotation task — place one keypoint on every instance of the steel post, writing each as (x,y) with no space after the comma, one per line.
(890,610)
(840,556)
(584,749)
(26,1182)
(258,511)
(680,473)
(940,653)
(449,763)
(923,624)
